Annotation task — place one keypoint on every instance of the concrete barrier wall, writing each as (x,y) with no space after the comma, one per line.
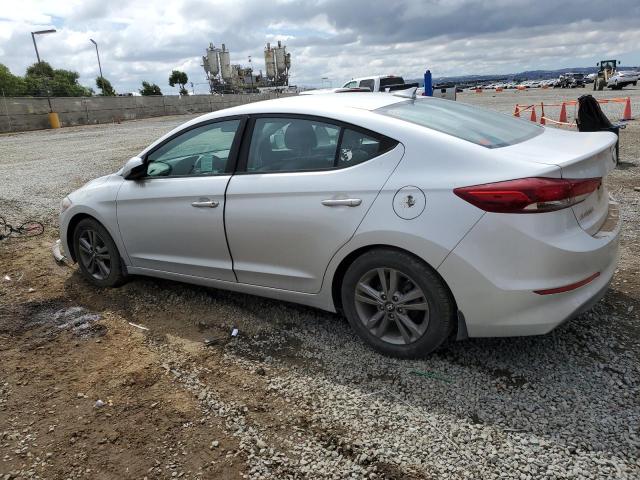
(27,113)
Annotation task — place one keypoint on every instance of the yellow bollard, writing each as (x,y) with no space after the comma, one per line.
(54,120)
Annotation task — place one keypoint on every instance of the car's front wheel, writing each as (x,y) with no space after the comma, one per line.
(97,254)
(397,303)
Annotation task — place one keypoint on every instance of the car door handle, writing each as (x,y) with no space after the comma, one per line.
(345,202)
(205,204)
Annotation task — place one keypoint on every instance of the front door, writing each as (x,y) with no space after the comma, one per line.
(304,188)
(172,220)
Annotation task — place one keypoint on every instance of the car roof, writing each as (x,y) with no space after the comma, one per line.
(348,107)
(313,104)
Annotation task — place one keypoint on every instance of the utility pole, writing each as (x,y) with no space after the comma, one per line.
(35,45)
(98,55)
(250,68)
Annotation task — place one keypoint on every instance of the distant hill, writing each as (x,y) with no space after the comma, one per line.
(509,77)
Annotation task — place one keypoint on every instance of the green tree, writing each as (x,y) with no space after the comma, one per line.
(11,85)
(179,78)
(42,79)
(40,69)
(150,89)
(105,86)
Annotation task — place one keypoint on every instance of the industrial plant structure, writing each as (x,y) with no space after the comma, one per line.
(224,77)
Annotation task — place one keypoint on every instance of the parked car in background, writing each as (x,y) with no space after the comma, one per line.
(571,80)
(621,79)
(418,218)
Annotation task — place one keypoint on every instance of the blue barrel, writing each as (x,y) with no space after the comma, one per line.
(428,84)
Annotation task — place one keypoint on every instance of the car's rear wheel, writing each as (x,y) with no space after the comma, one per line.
(97,254)
(397,303)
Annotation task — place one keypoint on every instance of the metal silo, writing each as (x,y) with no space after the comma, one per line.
(225,64)
(269,61)
(280,52)
(212,60)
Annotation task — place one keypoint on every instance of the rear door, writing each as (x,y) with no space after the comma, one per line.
(303,188)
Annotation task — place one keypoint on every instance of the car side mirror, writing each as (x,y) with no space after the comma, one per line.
(133,169)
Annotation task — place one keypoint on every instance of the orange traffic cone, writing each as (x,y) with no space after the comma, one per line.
(533,114)
(627,110)
(516,111)
(542,120)
(563,113)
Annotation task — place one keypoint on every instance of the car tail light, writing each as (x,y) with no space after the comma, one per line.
(529,195)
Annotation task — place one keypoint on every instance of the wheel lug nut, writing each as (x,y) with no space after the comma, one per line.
(391,315)
(395,298)
(383,296)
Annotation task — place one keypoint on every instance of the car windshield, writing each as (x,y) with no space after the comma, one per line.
(476,125)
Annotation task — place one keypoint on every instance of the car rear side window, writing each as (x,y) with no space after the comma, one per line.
(476,125)
(370,83)
(283,144)
(292,144)
(388,81)
(357,147)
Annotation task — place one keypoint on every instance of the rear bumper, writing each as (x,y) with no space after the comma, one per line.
(495,270)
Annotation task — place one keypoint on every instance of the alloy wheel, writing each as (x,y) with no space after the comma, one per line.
(392,306)
(94,254)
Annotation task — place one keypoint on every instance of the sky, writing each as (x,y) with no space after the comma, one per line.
(334,39)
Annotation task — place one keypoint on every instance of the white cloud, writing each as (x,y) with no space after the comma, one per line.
(144,40)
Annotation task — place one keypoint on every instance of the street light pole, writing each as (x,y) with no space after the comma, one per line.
(98,55)
(35,45)
(251,68)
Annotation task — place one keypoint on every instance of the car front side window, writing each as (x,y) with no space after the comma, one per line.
(202,150)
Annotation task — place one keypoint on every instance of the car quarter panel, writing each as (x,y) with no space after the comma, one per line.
(436,164)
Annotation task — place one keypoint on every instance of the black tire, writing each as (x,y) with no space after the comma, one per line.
(105,247)
(441,307)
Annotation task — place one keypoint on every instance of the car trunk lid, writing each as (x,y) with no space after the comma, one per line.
(579,156)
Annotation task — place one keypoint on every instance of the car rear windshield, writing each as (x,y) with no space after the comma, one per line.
(476,125)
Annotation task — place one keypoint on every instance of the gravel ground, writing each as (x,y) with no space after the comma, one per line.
(296,395)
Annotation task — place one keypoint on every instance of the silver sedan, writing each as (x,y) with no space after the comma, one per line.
(419,219)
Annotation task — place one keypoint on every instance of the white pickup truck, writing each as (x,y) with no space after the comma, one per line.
(379,83)
(622,79)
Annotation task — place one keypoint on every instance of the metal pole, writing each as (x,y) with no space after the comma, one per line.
(33,37)
(99,66)
(7,111)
